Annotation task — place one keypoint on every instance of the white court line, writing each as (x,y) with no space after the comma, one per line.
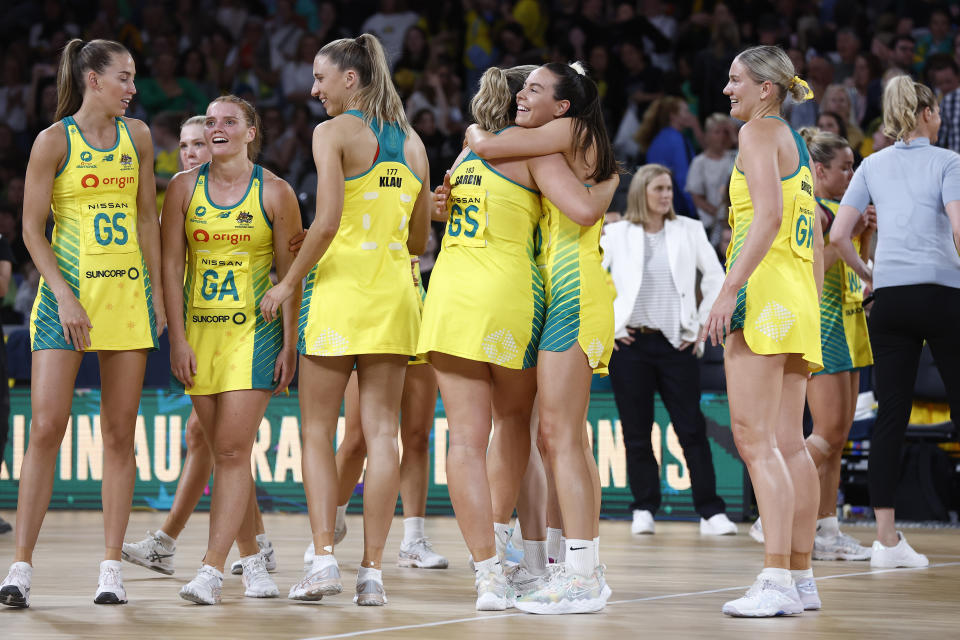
(441,623)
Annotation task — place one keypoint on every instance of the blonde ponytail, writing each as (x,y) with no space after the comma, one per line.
(903,101)
(78,58)
(823,145)
(376,97)
(495,105)
(772,64)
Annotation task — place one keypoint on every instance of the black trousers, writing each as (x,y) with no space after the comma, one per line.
(4,397)
(901,319)
(638,370)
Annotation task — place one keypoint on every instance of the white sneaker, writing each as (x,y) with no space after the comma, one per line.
(322,579)
(269,558)
(308,557)
(110,586)
(765,599)
(809,596)
(604,587)
(205,588)
(567,592)
(900,555)
(493,592)
(150,553)
(15,588)
(256,580)
(370,593)
(420,554)
(642,522)
(756,531)
(717,525)
(523,581)
(839,547)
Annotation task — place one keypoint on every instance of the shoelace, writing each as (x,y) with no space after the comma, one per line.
(110,577)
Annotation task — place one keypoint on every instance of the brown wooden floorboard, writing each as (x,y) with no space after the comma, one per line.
(670,585)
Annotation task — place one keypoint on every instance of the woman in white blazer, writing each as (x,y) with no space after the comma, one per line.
(654,256)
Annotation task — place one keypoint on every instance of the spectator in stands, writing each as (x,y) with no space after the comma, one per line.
(14,95)
(903,52)
(6,270)
(938,39)
(253,65)
(832,122)
(413,60)
(438,90)
(162,90)
(944,75)
(297,76)
(390,25)
(479,45)
(662,139)
(709,175)
(865,88)
(836,99)
(440,152)
(916,190)
(710,66)
(192,67)
(283,33)
(654,256)
(844,61)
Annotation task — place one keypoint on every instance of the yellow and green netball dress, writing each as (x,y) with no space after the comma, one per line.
(358,297)
(97,249)
(778,308)
(843,325)
(230,252)
(485,300)
(579,297)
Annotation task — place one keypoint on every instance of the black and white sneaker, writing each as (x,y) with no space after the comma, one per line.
(110,587)
(151,553)
(15,588)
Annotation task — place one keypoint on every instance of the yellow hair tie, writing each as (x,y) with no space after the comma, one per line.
(797,80)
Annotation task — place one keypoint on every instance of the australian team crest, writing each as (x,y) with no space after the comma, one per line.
(244,219)
(126,162)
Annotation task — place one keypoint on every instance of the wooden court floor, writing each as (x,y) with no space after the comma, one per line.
(670,585)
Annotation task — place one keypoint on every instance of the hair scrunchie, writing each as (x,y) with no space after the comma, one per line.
(797,80)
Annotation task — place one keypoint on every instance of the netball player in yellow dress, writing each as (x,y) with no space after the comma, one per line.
(484,315)
(832,393)
(231,218)
(100,291)
(156,551)
(769,316)
(560,113)
(358,307)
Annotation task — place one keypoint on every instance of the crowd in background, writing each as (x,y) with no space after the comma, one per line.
(660,66)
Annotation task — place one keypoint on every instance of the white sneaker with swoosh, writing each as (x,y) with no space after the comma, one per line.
(566,592)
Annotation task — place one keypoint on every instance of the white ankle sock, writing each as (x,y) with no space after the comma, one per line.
(563,549)
(167,541)
(368,573)
(501,533)
(412,530)
(799,574)
(341,515)
(490,564)
(517,536)
(262,539)
(535,556)
(322,561)
(828,526)
(781,577)
(596,551)
(580,556)
(554,544)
